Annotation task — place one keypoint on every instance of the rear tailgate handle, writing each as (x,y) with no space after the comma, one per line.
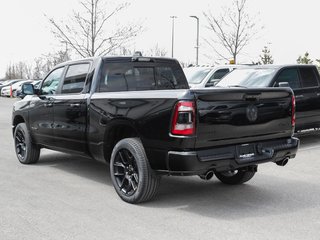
(252,97)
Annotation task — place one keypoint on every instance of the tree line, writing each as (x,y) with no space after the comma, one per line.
(38,68)
(90,32)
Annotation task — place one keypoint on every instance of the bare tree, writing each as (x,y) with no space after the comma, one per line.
(233,30)
(52,59)
(38,68)
(10,72)
(18,70)
(122,51)
(45,63)
(186,64)
(86,34)
(154,51)
(157,51)
(28,70)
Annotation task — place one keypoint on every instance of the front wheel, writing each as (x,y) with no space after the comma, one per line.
(131,174)
(26,151)
(235,177)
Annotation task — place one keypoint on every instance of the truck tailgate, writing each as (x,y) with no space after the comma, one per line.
(239,115)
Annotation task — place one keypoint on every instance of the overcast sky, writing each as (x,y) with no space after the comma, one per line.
(290,28)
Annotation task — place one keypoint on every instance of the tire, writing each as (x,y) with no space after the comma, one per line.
(235,177)
(26,151)
(131,174)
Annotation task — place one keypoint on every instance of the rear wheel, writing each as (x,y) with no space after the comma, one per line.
(234,177)
(26,151)
(131,174)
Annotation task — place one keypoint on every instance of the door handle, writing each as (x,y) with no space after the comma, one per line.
(299,96)
(75,105)
(44,97)
(48,104)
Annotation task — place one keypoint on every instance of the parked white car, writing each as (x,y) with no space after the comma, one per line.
(202,77)
(6,91)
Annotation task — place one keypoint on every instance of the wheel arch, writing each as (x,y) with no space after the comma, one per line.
(117,131)
(17,119)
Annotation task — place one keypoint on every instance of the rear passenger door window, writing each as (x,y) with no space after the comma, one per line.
(75,78)
(291,76)
(308,77)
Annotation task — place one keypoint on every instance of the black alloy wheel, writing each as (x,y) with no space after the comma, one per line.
(126,172)
(27,152)
(20,143)
(132,177)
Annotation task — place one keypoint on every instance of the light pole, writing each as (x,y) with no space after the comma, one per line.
(197,46)
(172,34)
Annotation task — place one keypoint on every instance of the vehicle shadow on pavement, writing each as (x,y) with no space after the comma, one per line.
(265,195)
(78,165)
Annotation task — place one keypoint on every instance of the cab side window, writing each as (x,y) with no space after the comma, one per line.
(75,78)
(290,76)
(308,77)
(219,74)
(51,83)
(216,76)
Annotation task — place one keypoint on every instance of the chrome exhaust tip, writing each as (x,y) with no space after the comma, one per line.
(207,176)
(282,162)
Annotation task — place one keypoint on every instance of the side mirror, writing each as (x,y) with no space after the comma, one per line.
(284,84)
(27,89)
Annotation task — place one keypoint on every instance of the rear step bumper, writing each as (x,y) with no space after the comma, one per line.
(231,157)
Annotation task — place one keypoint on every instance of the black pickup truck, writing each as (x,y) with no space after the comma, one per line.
(139,114)
(303,79)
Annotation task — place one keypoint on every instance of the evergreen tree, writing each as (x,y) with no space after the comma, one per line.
(266,57)
(318,64)
(304,59)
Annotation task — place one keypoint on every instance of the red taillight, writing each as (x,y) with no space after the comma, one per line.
(293,111)
(183,121)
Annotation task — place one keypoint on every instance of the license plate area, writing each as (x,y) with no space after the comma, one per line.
(246,152)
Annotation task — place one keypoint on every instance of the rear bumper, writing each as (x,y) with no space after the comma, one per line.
(230,157)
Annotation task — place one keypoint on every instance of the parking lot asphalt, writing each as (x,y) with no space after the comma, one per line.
(71,197)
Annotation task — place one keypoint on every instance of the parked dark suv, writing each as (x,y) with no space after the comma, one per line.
(303,79)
